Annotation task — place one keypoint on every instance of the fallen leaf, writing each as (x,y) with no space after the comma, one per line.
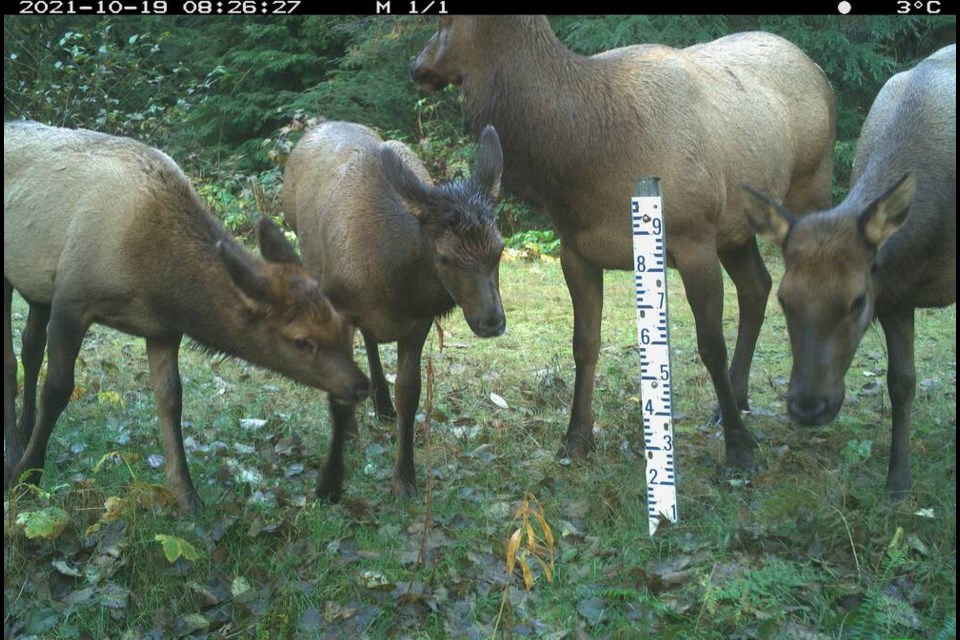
(498,400)
(239,586)
(310,620)
(213,592)
(293,469)
(916,545)
(66,569)
(189,624)
(47,523)
(592,610)
(175,548)
(81,597)
(288,445)
(113,596)
(333,611)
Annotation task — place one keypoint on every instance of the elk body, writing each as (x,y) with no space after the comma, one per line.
(393,252)
(103,229)
(887,249)
(578,131)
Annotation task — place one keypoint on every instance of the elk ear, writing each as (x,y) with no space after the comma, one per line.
(489,165)
(887,213)
(274,246)
(414,193)
(770,220)
(250,280)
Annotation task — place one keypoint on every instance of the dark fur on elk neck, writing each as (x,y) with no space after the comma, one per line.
(525,69)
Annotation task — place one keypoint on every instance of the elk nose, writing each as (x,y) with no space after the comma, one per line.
(362,390)
(808,410)
(491,326)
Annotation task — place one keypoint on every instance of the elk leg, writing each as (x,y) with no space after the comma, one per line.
(585,283)
(31,353)
(66,337)
(700,271)
(162,356)
(753,283)
(901,385)
(13,446)
(330,482)
(381,390)
(409,351)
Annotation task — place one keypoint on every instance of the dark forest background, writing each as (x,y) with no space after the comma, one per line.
(226,97)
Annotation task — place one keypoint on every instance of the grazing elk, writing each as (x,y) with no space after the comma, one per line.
(577,132)
(103,229)
(867,258)
(393,252)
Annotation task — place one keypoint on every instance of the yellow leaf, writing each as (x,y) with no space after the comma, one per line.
(512,547)
(896,542)
(547,571)
(111,398)
(103,459)
(114,508)
(547,533)
(527,576)
(531,537)
(152,496)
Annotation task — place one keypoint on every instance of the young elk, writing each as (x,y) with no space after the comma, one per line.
(101,229)
(393,252)
(578,131)
(887,249)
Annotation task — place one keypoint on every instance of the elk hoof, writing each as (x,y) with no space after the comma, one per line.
(737,477)
(189,502)
(404,489)
(386,413)
(577,447)
(898,488)
(329,494)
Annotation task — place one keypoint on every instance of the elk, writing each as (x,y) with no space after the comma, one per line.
(890,247)
(104,229)
(393,251)
(578,131)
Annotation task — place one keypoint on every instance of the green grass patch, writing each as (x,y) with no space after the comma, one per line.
(810,549)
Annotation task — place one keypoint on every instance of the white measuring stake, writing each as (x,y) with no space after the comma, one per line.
(650,277)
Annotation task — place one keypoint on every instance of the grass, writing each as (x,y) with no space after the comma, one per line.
(811,549)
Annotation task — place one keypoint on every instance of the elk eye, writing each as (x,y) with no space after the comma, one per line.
(443,261)
(856,307)
(303,344)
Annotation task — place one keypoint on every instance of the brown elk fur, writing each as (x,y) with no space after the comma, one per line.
(393,251)
(101,229)
(578,131)
(887,249)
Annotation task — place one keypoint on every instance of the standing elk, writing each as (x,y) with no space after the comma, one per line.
(102,229)
(890,247)
(394,251)
(578,131)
